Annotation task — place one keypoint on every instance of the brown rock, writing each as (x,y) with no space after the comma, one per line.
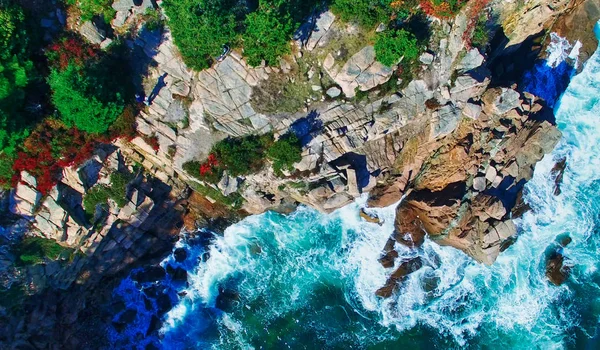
(372,218)
(556,271)
(406,268)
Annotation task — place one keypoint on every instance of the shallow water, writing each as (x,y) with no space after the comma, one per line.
(308,280)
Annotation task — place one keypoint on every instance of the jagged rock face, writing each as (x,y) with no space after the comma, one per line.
(578,24)
(464,193)
(523,19)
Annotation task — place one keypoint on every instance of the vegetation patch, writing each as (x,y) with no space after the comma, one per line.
(234,200)
(391,46)
(90,9)
(201,28)
(100,194)
(442,8)
(34,250)
(284,153)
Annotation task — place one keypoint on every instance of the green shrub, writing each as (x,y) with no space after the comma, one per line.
(99,194)
(242,156)
(367,13)
(92,8)
(267,37)
(193,168)
(284,153)
(392,45)
(234,200)
(481,34)
(16,71)
(200,29)
(84,99)
(34,250)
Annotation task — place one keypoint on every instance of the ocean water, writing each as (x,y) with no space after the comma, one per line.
(307,280)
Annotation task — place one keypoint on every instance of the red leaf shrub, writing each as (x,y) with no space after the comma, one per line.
(477,6)
(70,50)
(442,9)
(50,148)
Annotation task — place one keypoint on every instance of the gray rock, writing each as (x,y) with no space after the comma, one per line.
(414,97)
(337,201)
(363,72)
(472,60)
(106,43)
(334,92)
(447,121)
(319,33)
(426,58)
(352,183)
(472,110)
(491,173)
(479,183)
(123,5)
(380,28)
(470,85)
(509,99)
(228,184)
(92,33)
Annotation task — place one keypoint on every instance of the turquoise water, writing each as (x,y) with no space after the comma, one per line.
(308,280)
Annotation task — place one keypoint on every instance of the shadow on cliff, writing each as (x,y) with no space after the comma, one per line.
(305,128)
(521,64)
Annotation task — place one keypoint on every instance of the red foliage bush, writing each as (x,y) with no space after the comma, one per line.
(209,165)
(152,141)
(70,50)
(441,9)
(477,6)
(49,149)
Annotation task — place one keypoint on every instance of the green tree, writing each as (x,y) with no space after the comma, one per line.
(367,13)
(267,36)
(16,72)
(393,45)
(83,100)
(241,156)
(91,8)
(284,153)
(200,29)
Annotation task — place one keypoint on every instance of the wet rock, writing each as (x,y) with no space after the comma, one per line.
(558,172)
(564,240)
(372,218)
(388,259)
(149,274)
(430,282)
(556,270)
(180,255)
(227,299)
(163,303)
(406,268)
(154,326)
(178,274)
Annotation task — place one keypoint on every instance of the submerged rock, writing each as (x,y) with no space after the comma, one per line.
(406,268)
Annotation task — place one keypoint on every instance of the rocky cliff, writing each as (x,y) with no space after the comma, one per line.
(452,140)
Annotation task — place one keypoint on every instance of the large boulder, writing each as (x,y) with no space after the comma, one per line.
(363,72)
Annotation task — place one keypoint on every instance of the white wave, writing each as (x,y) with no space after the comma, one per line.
(558,50)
